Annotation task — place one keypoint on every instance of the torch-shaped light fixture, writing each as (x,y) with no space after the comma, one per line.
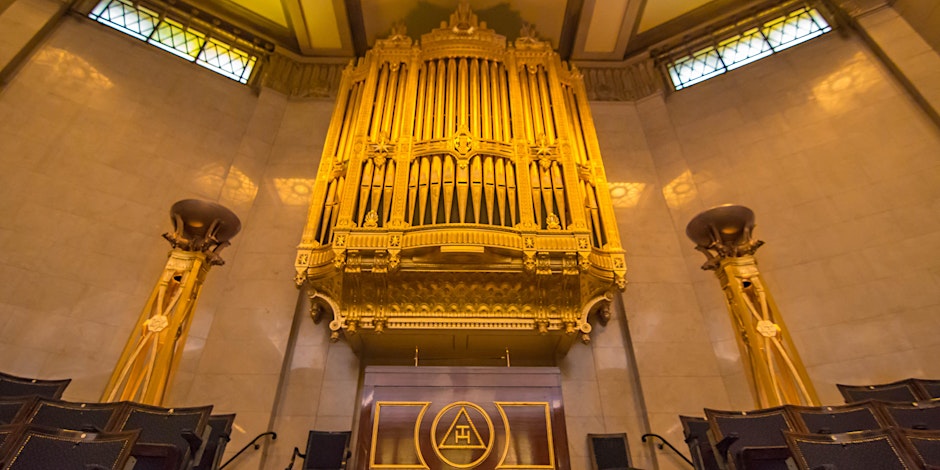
(773,367)
(144,372)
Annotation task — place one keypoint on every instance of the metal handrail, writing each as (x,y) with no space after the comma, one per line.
(664,441)
(252,443)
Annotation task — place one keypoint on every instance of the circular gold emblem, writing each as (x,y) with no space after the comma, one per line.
(157,323)
(464,442)
(767,329)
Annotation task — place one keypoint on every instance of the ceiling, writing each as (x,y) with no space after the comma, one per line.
(578,29)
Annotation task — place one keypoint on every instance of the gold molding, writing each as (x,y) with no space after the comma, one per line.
(459,167)
(375,432)
(548,432)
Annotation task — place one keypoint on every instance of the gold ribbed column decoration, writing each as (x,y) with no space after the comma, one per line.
(772,365)
(145,369)
(462,209)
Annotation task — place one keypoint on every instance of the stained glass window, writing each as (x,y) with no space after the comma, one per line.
(181,40)
(746,47)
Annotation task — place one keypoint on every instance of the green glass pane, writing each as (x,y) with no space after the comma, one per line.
(124,17)
(226,60)
(743,49)
(171,37)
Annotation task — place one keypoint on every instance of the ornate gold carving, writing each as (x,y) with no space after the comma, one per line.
(157,323)
(527,35)
(372,220)
(339,261)
(773,366)
(302,77)
(146,367)
(465,434)
(552,222)
(380,150)
(621,82)
(452,197)
(463,144)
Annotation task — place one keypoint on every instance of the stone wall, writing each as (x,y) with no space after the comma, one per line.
(102,133)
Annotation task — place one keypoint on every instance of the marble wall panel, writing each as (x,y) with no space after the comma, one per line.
(102,134)
(666,335)
(842,177)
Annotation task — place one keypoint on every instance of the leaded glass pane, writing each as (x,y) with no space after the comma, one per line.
(703,65)
(797,27)
(124,17)
(226,60)
(172,37)
(144,24)
(743,49)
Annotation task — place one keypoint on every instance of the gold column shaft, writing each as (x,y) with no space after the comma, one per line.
(153,351)
(773,367)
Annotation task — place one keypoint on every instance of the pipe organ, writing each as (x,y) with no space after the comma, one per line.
(461,206)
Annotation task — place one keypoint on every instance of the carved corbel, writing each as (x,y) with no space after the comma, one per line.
(542,326)
(570,327)
(570,265)
(379,325)
(584,262)
(394,260)
(353,261)
(620,281)
(381,262)
(529,262)
(586,333)
(543,263)
(339,259)
(335,326)
(603,313)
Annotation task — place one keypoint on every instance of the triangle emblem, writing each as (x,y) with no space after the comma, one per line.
(462,434)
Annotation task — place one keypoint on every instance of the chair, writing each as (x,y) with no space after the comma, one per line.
(215,446)
(40,448)
(325,451)
(695,430)
(923,445)
(151,456)
(8,434)
(929,388)
(13,386)
(14,410)
(754,437)
(182,428)
(875,449)
(93,417)
(609,451)
(902,390)
(923,415)
(858,416)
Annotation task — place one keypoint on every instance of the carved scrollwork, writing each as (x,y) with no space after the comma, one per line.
(506,223)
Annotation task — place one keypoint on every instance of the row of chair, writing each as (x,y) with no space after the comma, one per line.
(166,438)
(14,386)
(757,439)
(38,430)
(901,418)
(902,390)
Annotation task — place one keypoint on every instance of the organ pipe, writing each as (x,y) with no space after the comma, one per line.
(459,139)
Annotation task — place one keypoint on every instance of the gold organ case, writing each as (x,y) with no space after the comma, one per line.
(461,208)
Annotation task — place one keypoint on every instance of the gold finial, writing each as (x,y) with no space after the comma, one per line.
(463,20)
(528,34)
(399,30)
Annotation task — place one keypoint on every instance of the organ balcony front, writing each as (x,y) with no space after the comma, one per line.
(461,207)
